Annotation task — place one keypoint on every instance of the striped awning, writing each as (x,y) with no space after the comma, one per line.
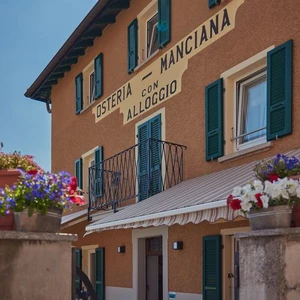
(196,217)
(192,201)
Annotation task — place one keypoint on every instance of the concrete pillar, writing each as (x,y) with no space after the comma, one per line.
(35,266)
(270,264)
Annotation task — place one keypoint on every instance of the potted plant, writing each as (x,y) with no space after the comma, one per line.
(37,200)
(269,204)
(10,163)
(281,166)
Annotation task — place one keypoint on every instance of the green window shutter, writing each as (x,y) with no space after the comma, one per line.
(132,45)
(279,91)
(214,120)
(211,267)
(78,259)
(100,273)
(143,161)
(212,3)
(98,69)
(155,152)
(149,158)
(79,93)
(164,22)
(98,155)
(78,172)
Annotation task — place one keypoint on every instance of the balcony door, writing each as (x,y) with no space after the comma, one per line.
(149,158)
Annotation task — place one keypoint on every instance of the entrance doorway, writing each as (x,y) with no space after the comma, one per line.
(234,272)
(154,268)
(230,273)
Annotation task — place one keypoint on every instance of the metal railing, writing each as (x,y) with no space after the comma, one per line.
(138,172)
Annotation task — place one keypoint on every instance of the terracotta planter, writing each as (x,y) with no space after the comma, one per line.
(8,177)
(296,209)
(7,222)
(50,222)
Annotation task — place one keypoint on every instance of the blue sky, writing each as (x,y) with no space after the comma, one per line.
(31,33)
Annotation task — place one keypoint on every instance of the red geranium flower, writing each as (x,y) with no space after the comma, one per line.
(32,172)
(236,204)
(229,200)
(259,202)
(273,177)
(73,184)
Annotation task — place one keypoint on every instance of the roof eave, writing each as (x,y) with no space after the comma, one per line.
(68,54)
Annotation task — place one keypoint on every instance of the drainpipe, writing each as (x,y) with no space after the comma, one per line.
(49,110)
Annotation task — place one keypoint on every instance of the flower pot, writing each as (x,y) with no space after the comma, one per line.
(296,208)
(8,177)
(296,216)
(7,222)
(270,218)
(50,222)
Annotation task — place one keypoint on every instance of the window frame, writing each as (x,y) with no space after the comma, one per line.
(239,90)
(143,17)
(148,45)
(91,97)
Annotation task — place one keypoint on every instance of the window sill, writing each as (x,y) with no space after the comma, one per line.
(86,108)
(246,152)
(146,60)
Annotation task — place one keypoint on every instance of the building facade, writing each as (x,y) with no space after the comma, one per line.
(160,109)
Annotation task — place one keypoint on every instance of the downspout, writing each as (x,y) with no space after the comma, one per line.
(49,110)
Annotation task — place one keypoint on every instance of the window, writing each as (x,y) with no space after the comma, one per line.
(251,110)
(84,174)
(89,84)
(152,35)
(249,104)
(147,33)
(92,88)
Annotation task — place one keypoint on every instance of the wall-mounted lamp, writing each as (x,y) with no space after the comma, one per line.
(121,249)
(177,245)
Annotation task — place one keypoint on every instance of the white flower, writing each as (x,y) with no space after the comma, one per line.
(265,201)
(246,188)
(298,191)
(268,187)
(247,197)
(246,206)
(276,192)
(258,186)
(285,194)
(236,191)
(284,183)
(292,186)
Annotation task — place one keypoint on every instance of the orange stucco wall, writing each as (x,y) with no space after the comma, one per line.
(118,266)
(185,266)
(259,25)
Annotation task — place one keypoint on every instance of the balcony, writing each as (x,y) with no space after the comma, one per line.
(135,174)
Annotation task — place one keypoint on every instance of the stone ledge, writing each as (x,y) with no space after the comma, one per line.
(37,236)
(268,232)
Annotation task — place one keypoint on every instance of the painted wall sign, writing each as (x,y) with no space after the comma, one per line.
(161,80)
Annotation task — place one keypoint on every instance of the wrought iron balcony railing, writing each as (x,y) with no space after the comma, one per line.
(136,173)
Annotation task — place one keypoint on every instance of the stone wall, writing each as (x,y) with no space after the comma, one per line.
(35,266)
(270,264)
